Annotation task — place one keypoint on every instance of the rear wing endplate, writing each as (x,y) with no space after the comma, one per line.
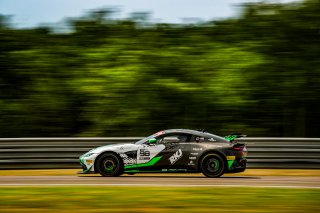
(233,136)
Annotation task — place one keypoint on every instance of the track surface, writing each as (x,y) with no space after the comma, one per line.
(160,180)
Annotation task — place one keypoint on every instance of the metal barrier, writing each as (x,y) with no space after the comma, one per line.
(32,153)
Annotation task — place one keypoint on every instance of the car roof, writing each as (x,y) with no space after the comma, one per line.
(188,131)
(183,131)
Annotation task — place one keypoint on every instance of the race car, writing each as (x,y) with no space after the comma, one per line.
(169,151)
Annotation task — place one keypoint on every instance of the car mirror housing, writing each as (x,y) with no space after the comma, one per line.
(152,140)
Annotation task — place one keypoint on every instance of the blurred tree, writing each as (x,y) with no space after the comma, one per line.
(258,73)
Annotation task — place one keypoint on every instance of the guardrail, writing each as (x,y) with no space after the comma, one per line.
(32,153)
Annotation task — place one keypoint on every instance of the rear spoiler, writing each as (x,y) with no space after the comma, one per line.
(234,136)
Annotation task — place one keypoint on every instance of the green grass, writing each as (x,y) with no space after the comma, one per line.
(157,199)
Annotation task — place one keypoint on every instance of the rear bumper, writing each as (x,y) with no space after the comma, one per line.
(239,165)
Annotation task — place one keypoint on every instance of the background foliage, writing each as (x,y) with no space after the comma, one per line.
(258,73)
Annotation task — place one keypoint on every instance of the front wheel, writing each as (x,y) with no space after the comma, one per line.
(109,164)
(212,165)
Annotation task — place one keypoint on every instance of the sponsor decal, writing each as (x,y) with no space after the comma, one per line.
(192,158)
(181,170)
(194,153)
(211,139)
(176,156)
(158,133)
(149,163)
(197,149)
(144,158)
(190,163)
(231,157)
(174,170)
(89,161)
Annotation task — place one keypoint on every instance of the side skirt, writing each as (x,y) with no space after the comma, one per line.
(161,171)
(88,172)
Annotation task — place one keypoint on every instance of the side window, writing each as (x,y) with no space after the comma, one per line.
(174,138)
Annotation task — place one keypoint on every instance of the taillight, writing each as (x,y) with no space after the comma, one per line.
(239,148)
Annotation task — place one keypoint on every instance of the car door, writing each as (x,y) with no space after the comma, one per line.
(147,152)
(176,152)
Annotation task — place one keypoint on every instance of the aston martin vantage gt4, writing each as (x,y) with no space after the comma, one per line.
(168,151)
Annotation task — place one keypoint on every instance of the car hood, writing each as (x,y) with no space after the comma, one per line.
(123,147)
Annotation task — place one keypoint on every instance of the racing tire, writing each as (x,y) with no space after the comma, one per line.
(109,165)
(212,165)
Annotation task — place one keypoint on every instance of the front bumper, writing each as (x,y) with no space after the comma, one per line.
(85,168)
(87,163)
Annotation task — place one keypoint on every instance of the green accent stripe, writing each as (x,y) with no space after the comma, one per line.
(82,160)
(150,163)
(230,162)
(88,169)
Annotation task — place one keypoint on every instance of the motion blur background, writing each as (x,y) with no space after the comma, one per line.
(102,74)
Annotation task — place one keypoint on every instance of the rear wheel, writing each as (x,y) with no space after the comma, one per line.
(109,164)
(212,165)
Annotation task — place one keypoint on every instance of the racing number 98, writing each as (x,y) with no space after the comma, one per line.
(144,152)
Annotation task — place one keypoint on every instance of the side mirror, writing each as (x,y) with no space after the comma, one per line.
(152,140)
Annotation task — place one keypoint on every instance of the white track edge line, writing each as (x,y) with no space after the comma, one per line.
(165,185)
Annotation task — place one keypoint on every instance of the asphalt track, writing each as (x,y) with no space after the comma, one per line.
(161,180)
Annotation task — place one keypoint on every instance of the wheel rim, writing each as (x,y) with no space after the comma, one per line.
(108,165)
(213,165)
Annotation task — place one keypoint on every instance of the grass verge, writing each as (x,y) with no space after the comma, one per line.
(248,172)
(157,199)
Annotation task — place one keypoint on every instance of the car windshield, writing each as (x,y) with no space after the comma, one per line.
(145,139)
